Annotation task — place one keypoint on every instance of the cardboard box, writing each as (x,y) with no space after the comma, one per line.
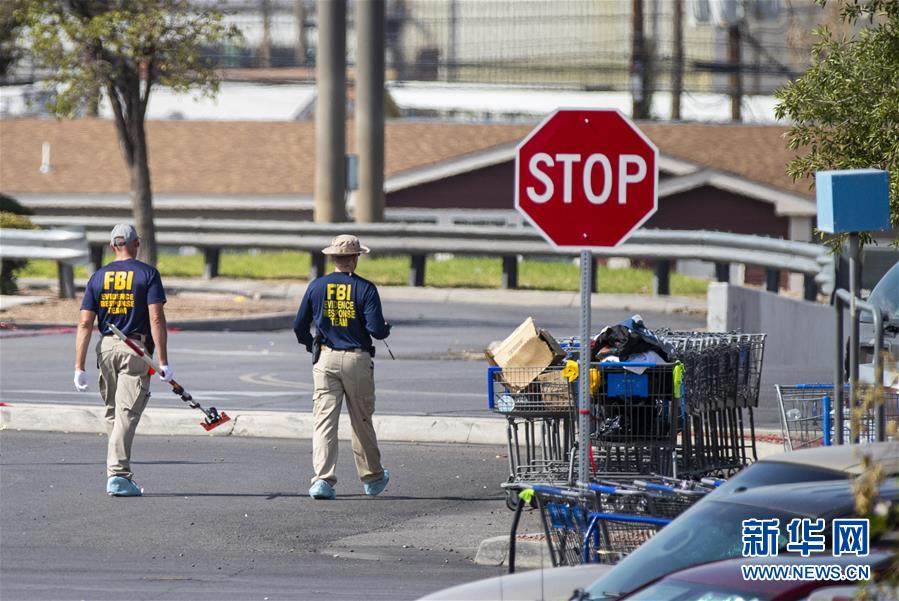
(555,390)
(525,354)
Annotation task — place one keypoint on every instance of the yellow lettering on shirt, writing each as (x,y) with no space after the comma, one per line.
(117,303)
(339,307)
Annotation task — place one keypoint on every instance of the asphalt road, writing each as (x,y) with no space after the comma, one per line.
(439,367)
(228,518)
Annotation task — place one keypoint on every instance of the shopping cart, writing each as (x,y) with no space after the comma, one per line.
(602,521)
(635,418)
(610,537)
(646,497)
(721,388)
(530,392)
(808,420)
(539,406)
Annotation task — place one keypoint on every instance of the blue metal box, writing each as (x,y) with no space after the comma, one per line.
(856,200)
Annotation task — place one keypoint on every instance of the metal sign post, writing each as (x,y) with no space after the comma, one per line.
(583,473)
(849,202)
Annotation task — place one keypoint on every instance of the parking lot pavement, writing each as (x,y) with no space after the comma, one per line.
(228,518)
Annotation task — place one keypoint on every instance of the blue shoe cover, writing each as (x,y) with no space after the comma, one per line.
(322,490)
(119,486)
(378,486)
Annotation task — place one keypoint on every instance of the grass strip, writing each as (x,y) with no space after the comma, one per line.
(455,272)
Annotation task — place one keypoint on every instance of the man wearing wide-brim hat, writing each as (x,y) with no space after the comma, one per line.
(346,311)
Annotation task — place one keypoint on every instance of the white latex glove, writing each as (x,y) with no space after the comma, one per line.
(80,380)
(166,373)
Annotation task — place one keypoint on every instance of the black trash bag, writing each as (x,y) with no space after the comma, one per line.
(630,337)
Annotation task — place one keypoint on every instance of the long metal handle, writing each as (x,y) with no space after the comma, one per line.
(137,350)
(147,359)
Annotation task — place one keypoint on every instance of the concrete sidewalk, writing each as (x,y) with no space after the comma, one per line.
(267,289)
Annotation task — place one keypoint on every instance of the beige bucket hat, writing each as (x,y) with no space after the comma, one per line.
(346,244)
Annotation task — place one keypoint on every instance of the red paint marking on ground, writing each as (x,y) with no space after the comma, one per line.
(2,404)
(41,332)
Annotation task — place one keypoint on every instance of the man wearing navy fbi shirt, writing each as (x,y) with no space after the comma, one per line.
(128,294)
(346,311)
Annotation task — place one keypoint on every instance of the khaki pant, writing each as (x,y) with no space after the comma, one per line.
(125,388)
(336,375)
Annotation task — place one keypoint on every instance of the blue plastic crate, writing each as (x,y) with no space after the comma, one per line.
(627,384)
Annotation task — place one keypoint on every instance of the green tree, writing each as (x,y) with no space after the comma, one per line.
(125,47)
(13,216)
(9,25)
(845,109)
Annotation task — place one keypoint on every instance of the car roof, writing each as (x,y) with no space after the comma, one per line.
(843,458)
(812,499)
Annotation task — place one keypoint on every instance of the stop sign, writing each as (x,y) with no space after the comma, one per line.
(586,178)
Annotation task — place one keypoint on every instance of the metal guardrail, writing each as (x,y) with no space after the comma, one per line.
(66,247)
(421,239)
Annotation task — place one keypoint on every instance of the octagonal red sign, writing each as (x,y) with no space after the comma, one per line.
(586,178)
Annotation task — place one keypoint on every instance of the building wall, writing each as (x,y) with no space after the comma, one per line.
(708,208)
(488,188)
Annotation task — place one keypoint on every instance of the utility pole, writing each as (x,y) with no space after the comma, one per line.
(330,113)
(370,109)
(265,47)
(734,57)
(453,41)
(639,109)
(299,15)
(677,58)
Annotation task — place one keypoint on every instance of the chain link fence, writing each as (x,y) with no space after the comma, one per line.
(577,44)
(571,44)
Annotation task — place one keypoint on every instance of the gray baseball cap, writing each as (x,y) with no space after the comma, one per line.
(122,234)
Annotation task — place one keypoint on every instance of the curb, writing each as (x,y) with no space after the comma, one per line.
(88,419)
(529,553)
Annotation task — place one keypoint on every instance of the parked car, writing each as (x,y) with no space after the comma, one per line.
(711,530)
(813,464)
(775,475)
(554,584)
(885,296)
(723,580)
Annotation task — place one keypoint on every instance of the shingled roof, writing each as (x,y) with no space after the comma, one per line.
(259,158)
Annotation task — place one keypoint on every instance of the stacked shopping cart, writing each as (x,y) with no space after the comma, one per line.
(808,420)
(721,391)
(601,522)
(655,430)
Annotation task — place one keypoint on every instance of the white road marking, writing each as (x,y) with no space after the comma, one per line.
(247,353)
(196,393)
(272,380)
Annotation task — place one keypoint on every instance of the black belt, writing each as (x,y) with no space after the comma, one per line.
(138,337)
(355,349)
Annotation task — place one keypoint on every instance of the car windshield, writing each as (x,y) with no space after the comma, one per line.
(886,294)
(768,473)
(708,532)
